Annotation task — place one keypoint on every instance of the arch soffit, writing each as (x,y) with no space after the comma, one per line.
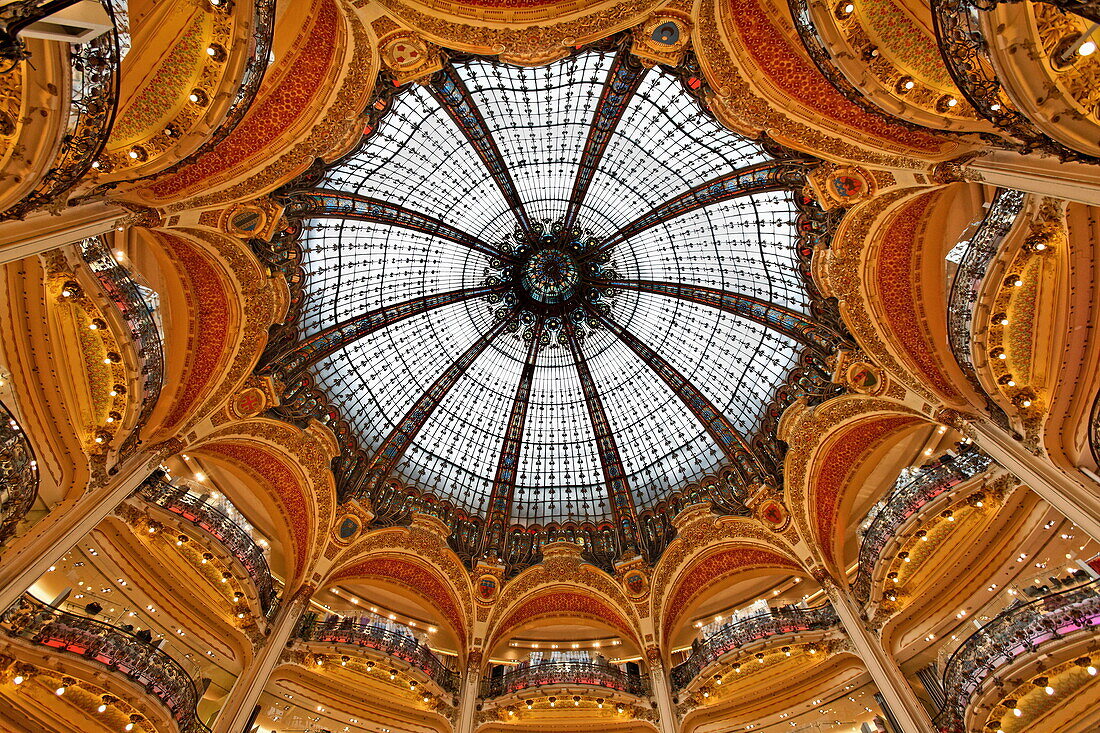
(562,584)
(214,343)
(290,469)
(702,534)
(714,565)
(868,269)
(536,33)
(828,443)
(755,61)
(564,599)
(409,569)
(310,101)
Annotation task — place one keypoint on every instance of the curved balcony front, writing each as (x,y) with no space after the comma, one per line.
(364,634)
(117,650)
(743,633)
(93,101)
(1016,631)
(160,492)
(18,475)
(138,317)
(544,674)
(906,501)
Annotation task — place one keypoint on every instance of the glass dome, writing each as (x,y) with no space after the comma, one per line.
(549,295)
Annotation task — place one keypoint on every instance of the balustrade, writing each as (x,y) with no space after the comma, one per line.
(114,648)
(736,635)
(158,490)
(1015,631)
(933,480)
(91,113)
(594,673)
(965,51)
(977,256)
(18,475)
(364,633)
(123,291)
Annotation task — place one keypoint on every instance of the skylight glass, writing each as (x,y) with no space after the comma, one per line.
(495,156)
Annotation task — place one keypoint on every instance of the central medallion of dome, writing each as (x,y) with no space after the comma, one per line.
(550,276)
(535,299)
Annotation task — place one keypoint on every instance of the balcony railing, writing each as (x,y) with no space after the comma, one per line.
(371,636)
(734,636)
(118,650)
(91,115)
(597,674)
(131,304)
(158,490)
(1013,632)
(965,52)
(18,475)
(907,499)
(980,251)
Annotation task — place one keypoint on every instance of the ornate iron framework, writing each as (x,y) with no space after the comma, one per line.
(114,648)
(933,480)
(159,490)
(18,475)
(734,636)
(552,286)
(372,636)
(94,101)
(965,288)
(1013,632)
(541,674)
(965,51)
(124,293)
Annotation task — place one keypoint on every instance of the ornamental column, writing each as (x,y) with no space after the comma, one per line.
(31,555)
(237,713)
(42,231)
(468,693)
(1076,497)
(907,709)
(662,691)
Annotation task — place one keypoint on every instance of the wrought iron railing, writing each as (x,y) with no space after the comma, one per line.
(733,636)
(158,490)
(1013,632)
(965,51)
(966,287)
(934,479)
(363,633)
(596,674)
(116,649)
(18,475)
(94,101)
(131,304)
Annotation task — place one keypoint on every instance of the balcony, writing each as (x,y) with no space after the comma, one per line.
(363,633)
(1015,631)
(905,501)
(158,491)
(737,635)
(18,475)
(93,100)
(542,674)
(138,316)
(978,254)
(117,650)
